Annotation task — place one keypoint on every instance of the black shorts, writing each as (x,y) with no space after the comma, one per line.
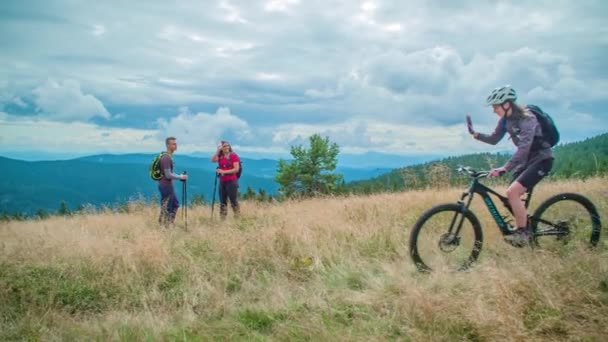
(532,174)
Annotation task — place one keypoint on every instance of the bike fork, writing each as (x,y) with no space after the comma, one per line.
(458,219)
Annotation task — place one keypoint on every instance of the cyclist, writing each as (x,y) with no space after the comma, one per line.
(530,163)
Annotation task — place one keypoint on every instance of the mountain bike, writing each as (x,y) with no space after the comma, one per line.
(449,236)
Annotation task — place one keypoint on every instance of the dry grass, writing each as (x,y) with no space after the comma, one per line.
(319,269)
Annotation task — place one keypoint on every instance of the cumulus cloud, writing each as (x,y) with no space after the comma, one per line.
(364,135)
(204,129)
(428,71)
(65,101)
(289,67)
(19,102)
(279,5)
(27,134)
(233,13)
(99,30)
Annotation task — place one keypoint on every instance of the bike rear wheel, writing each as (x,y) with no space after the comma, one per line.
(437,245)
(566,219)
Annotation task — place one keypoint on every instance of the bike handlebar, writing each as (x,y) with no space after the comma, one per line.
(471,172)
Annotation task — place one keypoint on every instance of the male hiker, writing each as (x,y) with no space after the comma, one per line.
(168,200)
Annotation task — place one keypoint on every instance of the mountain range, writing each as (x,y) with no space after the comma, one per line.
(110,179)
(107,179)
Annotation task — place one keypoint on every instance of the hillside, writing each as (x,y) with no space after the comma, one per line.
(113,179)
(102,180)
(333,269)
(578,159)
(264,168)
(108,179)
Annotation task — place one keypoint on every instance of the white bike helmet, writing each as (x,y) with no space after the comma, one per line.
(500,95)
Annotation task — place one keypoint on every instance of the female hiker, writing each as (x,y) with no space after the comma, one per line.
(228,169)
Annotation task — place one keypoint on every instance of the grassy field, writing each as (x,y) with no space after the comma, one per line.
(321,269)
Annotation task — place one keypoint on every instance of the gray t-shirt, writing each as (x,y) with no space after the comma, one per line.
(166,165)
(523,131)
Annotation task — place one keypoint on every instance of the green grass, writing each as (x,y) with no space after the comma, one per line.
(284,274)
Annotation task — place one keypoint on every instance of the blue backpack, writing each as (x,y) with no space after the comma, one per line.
(547,125)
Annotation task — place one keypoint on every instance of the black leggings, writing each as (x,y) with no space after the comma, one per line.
(229,190)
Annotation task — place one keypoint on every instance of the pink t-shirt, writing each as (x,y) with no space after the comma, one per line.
(228,164)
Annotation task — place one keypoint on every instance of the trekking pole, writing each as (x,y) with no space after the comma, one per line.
(214,191)
(185,200)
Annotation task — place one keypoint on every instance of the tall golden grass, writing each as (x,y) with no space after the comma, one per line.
(316,269)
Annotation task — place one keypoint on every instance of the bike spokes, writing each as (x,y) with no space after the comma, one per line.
(438,245)
(448,242)
(566,222)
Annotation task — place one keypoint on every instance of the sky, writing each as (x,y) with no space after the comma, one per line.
(397,77)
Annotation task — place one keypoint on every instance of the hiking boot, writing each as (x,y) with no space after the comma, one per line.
(520,238)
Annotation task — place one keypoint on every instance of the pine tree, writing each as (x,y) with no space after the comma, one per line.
(249,193)
(311,170)
(63,209)
(198,199)
(41,214)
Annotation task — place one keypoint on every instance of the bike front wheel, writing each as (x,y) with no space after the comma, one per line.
(447,237)
(566,219)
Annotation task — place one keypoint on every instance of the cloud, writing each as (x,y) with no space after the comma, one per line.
(325,93)
(99,30)
(22,134)
(65,101)
(289,67)
(428,71)
(361,135)
(203,129)
(19,102)
(280,5)
(263,76)
(233,14)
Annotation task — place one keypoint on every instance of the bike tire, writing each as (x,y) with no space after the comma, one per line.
(464,259)
(570,212)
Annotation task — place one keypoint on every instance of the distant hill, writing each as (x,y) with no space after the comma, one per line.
(109,179)
(381,160)
(264,168)
(106,179)
(578,159)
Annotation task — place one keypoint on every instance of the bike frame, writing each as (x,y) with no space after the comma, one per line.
(477,188)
